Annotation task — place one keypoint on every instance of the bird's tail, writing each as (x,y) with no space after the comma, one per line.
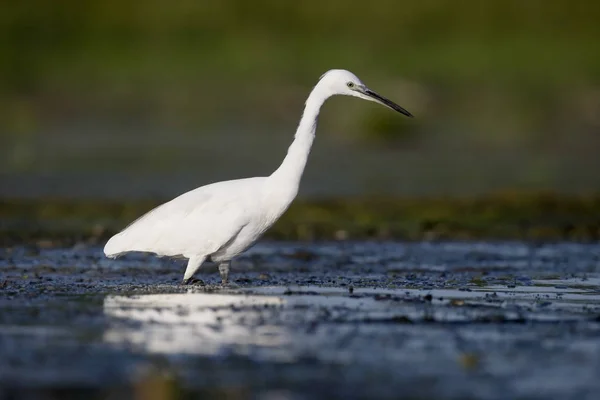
(114,247)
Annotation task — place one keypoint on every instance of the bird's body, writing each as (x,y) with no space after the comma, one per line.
(237,211)
(221,220)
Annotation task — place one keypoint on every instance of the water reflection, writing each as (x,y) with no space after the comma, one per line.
(282,324)
(277,327)
(194,323)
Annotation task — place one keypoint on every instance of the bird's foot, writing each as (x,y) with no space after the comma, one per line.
(193,281)
(224,272)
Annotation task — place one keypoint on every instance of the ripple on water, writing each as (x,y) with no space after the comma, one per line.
(443,320)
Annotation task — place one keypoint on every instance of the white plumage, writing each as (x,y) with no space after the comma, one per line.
(223,219)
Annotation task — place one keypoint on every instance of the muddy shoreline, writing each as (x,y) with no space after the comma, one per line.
(448,320)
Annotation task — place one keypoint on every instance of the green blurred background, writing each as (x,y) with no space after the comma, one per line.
(146,99)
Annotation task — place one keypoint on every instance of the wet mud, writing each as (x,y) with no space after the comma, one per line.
(446,320)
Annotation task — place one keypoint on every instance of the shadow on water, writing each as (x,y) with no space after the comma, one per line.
(339,320)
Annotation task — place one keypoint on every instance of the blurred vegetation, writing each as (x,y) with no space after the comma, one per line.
(512,216)
(520,77)
(138,58)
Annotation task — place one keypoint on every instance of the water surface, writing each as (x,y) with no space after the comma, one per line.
(335,319)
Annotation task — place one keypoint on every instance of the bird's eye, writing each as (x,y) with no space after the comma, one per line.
(350,84)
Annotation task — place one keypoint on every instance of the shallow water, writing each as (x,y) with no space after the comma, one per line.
(338,320)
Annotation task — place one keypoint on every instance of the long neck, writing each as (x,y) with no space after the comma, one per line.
(291,169)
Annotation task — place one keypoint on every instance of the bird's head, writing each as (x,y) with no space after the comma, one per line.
(342,82)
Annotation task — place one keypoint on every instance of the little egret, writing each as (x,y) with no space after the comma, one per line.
(219,221)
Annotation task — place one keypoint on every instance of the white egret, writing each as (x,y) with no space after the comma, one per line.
(219,221)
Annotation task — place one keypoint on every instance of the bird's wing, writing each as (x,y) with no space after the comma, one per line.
(198,222)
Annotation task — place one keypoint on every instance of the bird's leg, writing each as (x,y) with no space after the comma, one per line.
(193,264)
(224,271)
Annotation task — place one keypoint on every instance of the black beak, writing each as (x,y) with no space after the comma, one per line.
(386,102)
